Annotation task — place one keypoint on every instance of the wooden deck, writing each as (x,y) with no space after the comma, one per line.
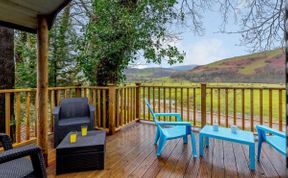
(131,153)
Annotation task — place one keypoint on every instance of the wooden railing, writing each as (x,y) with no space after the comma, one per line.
(119,106)
(115,107)
(203,104)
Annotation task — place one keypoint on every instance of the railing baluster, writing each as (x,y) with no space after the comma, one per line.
(251,110)
(65,93)
(280,110)
(194,107)
(270,108)
(211,106)
(219,107)
(261,105)
(122,107)
(164,102)
(159,100)
(94,104)
(125,106)
(52,105)
(234,106)
(58,97)
(149,102)
(243,109)
(17,118)
(99,107)
(226,108)
(131,110)
(144,104)
(188,105)
(7,113)
(153,98)
(176,99)
(104,108)
(28,115)
(170,103)
(182,102)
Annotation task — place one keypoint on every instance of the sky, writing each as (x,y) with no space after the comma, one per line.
(209,47)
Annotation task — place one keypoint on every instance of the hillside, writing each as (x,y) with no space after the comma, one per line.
(147,74)
(265,67)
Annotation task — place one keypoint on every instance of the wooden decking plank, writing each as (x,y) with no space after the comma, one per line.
(171,163)
(229,160)
(183,162)
(206,162)
(120,169)
(275,158)
(193,164)
(159,162)
(241,162)
(259,169)
(131,153)
(218,159)
(151,158)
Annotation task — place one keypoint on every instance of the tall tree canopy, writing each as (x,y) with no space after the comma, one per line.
(121,30)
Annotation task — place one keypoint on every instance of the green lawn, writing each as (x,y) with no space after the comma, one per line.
(247,98)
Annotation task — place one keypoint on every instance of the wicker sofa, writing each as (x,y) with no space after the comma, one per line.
(72,113)
(15,164)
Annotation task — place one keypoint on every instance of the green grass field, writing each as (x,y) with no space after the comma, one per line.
(247,98)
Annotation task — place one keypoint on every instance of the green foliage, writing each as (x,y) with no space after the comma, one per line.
(25,51)
(63,68)
(121,30)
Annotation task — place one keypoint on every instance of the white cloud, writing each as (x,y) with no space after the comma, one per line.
(204,51)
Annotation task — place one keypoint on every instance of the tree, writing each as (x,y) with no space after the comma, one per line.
(62,64)
(7,68)
(120,31)
(261,22)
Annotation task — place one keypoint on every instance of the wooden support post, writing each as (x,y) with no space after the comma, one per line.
(42,85)
(112,102)
(138,100)
(203,104)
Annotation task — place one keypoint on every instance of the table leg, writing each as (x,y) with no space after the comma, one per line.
(201,144)
(252,156)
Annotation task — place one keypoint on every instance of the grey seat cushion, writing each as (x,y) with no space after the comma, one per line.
(17,168)
(74,121)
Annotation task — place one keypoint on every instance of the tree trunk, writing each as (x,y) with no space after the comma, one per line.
(7,68)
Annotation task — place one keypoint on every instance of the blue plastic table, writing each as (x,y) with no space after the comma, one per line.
(242,137)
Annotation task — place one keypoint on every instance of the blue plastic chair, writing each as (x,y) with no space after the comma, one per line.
(277,140)
(180,129)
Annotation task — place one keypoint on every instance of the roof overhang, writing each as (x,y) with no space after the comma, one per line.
(22,14)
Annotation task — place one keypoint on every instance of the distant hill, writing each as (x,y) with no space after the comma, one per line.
(264,67)
(184,67)
(147,74)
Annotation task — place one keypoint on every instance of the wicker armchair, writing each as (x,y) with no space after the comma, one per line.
(15,164)
(72,113)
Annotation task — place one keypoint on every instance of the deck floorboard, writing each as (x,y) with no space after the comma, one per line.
(131,153)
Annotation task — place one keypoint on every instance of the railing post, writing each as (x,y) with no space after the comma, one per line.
(77,91)
(112,103)
(138,100)
(203,104)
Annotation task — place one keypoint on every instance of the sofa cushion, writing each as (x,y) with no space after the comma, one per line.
(21,167)
(74,121)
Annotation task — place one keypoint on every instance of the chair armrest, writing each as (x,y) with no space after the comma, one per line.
(6,141)
(91,108)
(177,115)
(30,150)
(56,114)
(163,123)
(270,130)
(56,111)
(91,113)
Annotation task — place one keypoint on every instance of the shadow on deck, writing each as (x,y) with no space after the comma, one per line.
(131,153)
